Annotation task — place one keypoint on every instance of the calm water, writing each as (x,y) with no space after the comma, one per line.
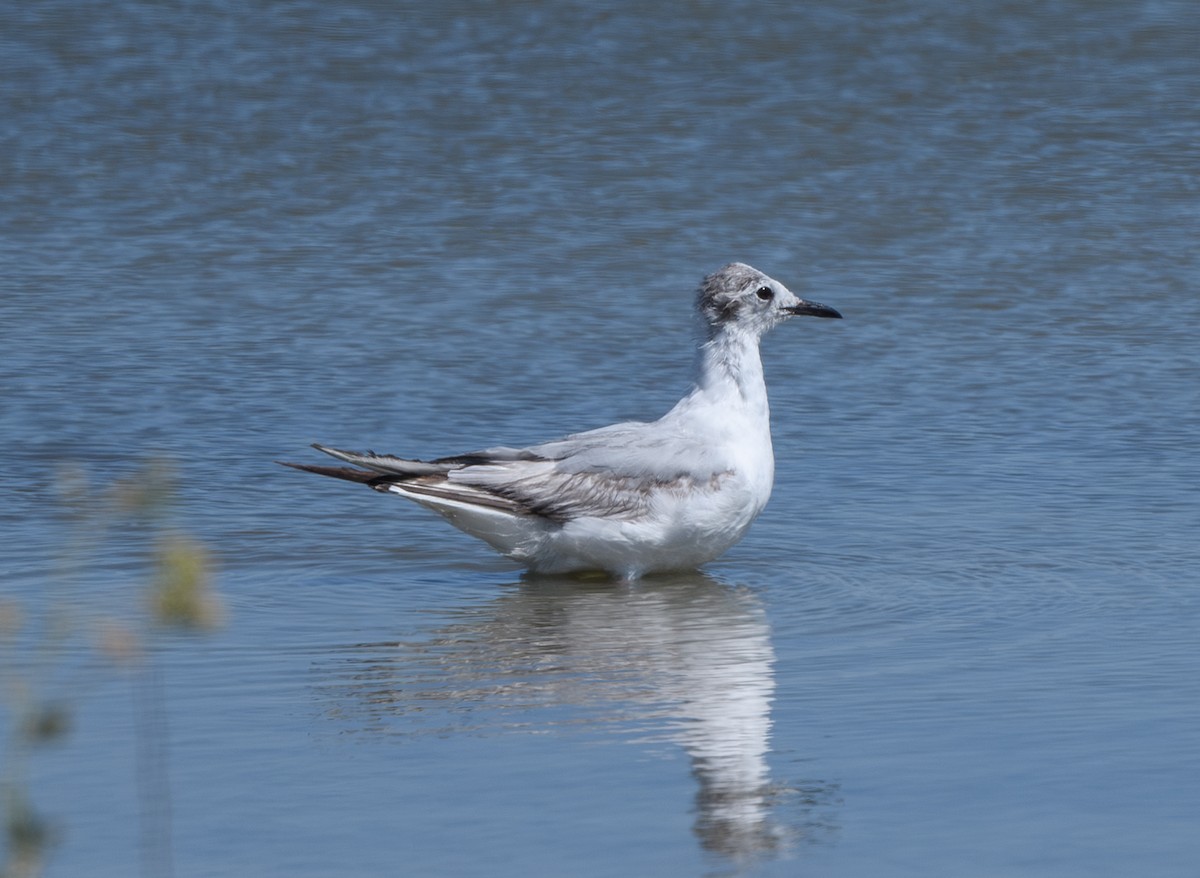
(962,639)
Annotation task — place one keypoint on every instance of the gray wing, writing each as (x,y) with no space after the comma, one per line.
(612,472)
(388,464)
(425,478)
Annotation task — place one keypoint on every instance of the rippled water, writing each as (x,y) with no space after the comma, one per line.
(960,640)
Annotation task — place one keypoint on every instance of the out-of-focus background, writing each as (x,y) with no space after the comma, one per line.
(960,640)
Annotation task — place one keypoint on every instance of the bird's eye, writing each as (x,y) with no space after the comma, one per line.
(765,293)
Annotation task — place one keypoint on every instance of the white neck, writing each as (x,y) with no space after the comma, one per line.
(729,363)
(730,374)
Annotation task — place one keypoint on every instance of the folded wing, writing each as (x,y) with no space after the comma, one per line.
(614,472)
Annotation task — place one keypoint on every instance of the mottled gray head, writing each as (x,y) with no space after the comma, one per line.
(737,296)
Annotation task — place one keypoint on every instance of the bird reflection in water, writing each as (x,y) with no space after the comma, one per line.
(681,658)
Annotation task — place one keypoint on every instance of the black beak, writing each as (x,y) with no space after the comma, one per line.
(812,309)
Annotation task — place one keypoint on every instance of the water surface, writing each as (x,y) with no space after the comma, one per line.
(961,638)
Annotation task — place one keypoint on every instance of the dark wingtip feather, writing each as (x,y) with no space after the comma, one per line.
(347,473)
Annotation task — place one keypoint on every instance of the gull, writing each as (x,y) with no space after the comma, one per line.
(632,498)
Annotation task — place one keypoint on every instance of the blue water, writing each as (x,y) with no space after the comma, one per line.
(960,640)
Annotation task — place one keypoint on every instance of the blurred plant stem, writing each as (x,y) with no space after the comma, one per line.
(50,655)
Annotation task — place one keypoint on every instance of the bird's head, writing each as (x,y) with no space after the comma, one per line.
(738,297)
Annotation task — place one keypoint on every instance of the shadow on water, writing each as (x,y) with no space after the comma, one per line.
(684,660)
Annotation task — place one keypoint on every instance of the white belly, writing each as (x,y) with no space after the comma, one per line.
(681,533)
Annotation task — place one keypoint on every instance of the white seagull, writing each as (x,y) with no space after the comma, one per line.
(632,498)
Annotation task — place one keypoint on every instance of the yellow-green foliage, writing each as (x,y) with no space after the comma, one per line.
(36,679)
(182,596)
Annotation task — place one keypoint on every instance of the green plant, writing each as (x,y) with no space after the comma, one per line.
(49,652)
